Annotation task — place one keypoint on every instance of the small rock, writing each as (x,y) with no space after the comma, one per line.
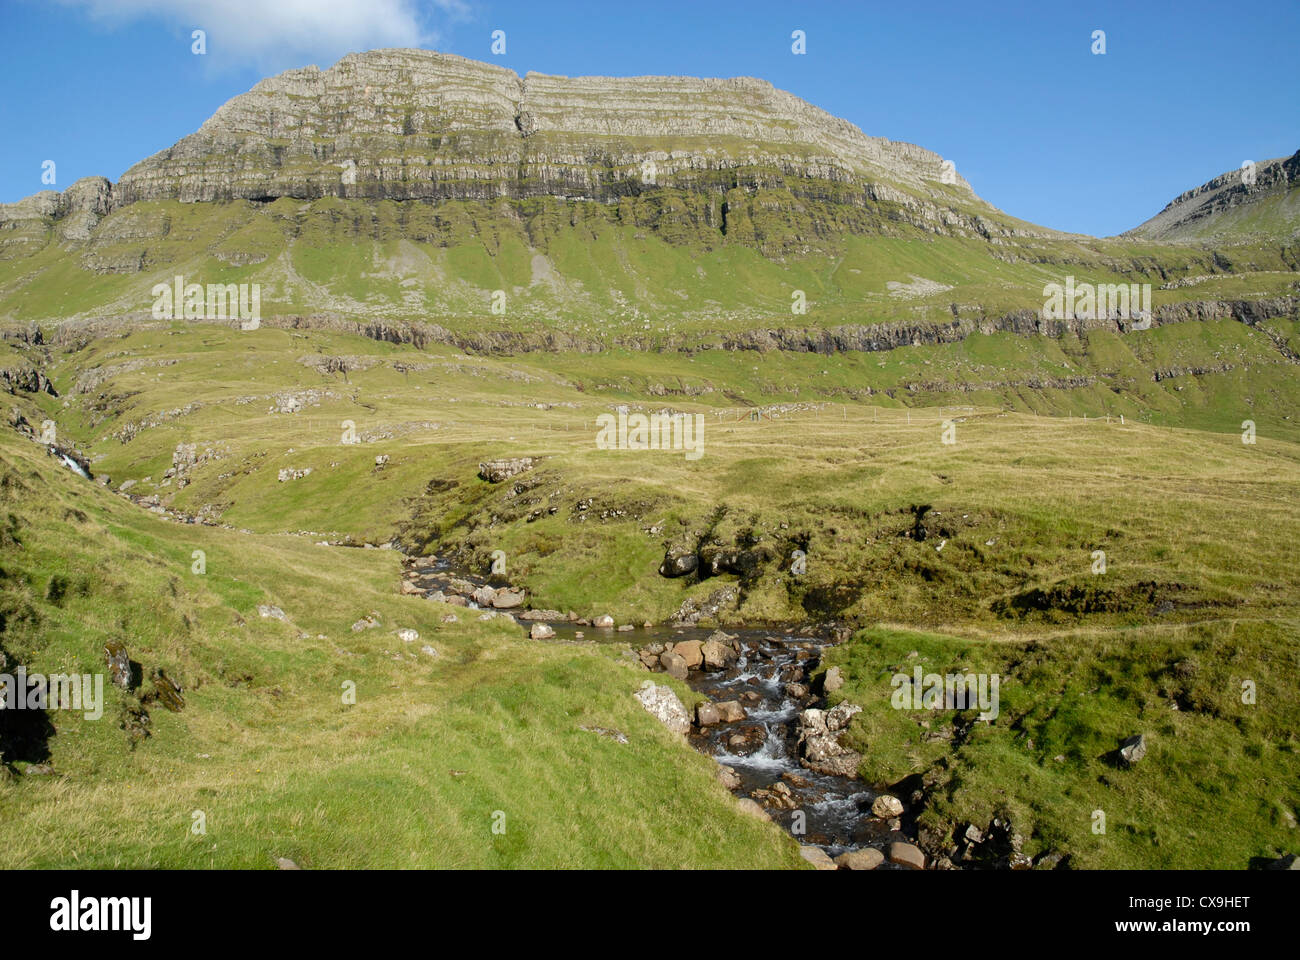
(540,631)
(604,620)
(716,655)
(689,650)
(407,635)
(818,857)
(832,681)
(731,711)
(865,859)
(707,714)
(673,665)
(728,777)
(752,809)
(906,855)
(1133,749)
(616,735)
(664,705)
(886,807)
(284,863)
(507,600)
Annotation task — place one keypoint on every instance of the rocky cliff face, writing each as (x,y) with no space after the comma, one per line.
(1263,202)
(411,124)
(710,155)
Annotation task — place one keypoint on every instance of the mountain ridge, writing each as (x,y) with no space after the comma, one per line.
(1257,200)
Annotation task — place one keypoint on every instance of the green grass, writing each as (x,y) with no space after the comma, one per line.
(1197,528)
(1217,787)
(268,752)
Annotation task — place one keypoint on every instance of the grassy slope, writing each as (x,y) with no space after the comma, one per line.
(1197,526)
(590,269)
(266,748)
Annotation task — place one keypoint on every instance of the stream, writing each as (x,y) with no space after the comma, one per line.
(823,810)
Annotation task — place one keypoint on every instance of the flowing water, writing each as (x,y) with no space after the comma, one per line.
(828,811)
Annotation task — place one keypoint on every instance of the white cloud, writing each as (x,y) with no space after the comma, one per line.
(277,34)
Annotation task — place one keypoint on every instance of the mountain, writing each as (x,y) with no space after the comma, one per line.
(462,273)
(421,197)
(1261,201)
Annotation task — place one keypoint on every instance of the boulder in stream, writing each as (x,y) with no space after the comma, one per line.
(819,744)
(673,665)
(867,858)
(730,711)
(717,655)
(906,855)
(689,650)
(886,807)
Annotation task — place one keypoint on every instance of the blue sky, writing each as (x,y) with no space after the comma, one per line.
(1010,92)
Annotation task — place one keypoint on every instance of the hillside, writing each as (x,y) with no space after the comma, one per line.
(1262,202)
(459,266)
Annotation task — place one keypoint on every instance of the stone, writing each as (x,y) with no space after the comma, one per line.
(707,714)
(906,855)
(716,655)
(751,808)
(546,616)
(665,706)
(269,610)
(167,691)
(689,650)
(408,635)
(747,739)
(507,600)
(284,863)
(119,664)
(818,857)
(796,691)
(1133,749)
(497,471)
(673,665)
(886,807)
(730,711)
(428,651)
(728,777)
(484,596)
(616,735)
(867,858)
(819,744)
(678,562)
(540,631)
(604,620)
(409,589)
(778,795)
(831,680)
